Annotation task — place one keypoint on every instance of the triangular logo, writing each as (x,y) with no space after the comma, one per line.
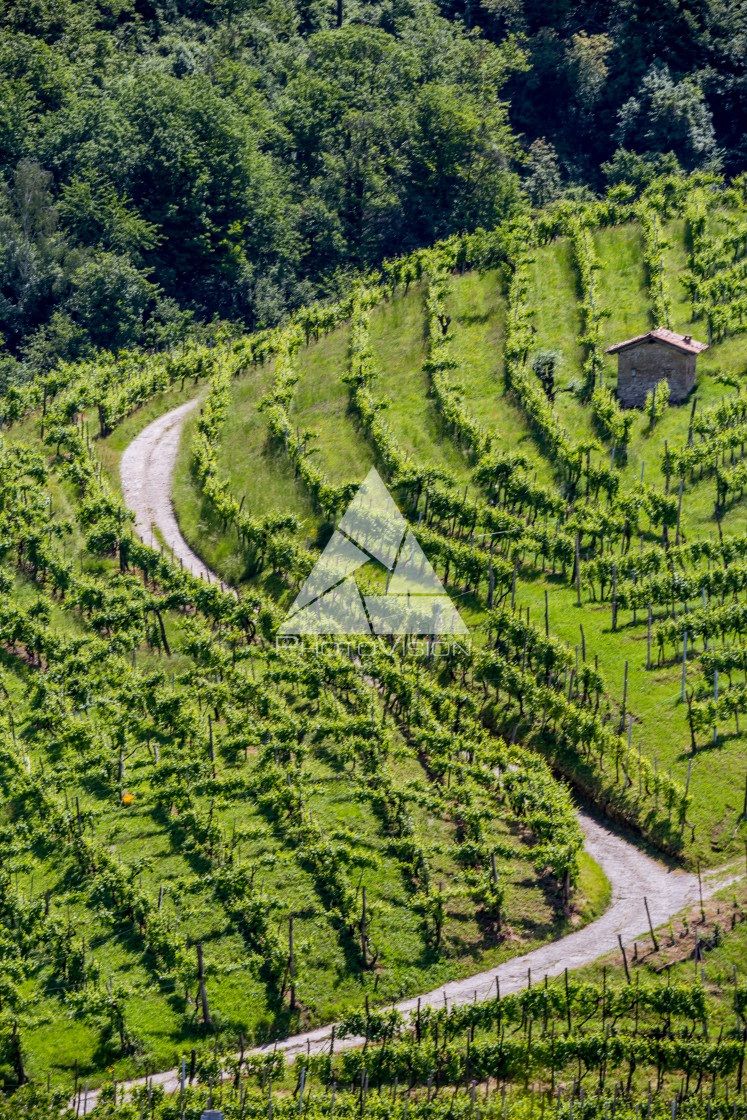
(415,601)
(340,559)
(413,573)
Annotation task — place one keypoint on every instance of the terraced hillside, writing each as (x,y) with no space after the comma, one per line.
(211,842)
(256,467)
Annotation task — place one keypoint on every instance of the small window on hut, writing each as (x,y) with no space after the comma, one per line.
(632,371)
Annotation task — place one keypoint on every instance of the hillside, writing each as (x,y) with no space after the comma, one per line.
(477,305)
(212,842)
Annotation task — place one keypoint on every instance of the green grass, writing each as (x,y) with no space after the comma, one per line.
(593,891)
(622,283)
(554,296)
(263,477)
(399,343)
(321,404)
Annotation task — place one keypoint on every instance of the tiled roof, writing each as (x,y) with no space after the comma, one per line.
(684,342)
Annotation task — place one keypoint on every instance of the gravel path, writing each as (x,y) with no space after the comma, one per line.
(146,471)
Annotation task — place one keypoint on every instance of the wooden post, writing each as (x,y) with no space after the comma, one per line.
(625,959)
(203,992)
(578,570)
(614,596)
(583,643)
(547,618)
(625,697)
(364,939)
(628,779)
(648,640)
(684,666)
(679,513)
(291,965)
(650,925)
(690,428)
(241,1054)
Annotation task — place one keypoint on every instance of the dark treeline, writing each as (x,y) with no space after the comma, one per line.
(177,161)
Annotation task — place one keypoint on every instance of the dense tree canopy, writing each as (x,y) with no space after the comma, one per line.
(165,161)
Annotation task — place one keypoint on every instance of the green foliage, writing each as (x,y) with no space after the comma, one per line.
(613,420)
(109,300)
(546,364)
(668,116)
(150,159)
(657,401)
(653,246)
(244,159)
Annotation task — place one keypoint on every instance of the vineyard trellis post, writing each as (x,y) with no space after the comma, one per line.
(202,989)
(291,964)
(651,925)
(624,957)
(625,698)
(679,512)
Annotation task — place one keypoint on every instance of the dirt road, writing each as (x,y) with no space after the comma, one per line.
(146,470)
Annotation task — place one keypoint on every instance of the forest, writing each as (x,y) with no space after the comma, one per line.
(164,165)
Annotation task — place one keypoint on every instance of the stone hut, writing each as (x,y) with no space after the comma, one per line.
(655,356)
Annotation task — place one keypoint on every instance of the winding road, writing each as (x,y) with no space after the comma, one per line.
(146,468)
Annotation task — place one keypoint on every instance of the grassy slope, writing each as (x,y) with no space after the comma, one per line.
(478,307)
(397,336)
(660,728)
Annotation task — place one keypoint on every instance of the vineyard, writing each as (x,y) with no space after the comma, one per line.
(212,840)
